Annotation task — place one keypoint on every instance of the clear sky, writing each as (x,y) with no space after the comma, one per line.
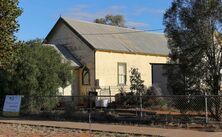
(39,16)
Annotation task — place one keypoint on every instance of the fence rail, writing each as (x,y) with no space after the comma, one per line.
(201,109)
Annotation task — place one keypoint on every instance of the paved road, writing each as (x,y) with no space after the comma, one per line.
(118,128)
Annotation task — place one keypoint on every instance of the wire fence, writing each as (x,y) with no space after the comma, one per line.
(177,109)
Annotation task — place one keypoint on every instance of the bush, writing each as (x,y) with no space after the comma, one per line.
(34,105)
(37,71)
(126,99)
(150,99)
(132,99)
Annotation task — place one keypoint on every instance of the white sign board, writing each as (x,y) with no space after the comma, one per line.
(12,103)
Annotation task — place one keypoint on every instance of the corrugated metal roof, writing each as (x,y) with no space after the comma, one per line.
(66,55)
(106,37)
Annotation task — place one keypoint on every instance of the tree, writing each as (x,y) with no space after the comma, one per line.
(37,73)
(114,20)
(136,84)
(9,12)
(193,29)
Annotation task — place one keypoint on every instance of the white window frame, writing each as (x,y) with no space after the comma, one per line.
(123,75)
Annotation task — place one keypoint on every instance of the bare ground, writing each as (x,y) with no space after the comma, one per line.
(17,130)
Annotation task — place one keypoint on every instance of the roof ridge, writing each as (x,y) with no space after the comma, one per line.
(129,29)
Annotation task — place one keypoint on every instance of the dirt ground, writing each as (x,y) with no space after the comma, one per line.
(16,130)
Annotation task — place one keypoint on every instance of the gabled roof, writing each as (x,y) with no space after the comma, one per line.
(112,38)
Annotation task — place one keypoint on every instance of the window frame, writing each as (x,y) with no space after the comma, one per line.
(118,80)
(85,69)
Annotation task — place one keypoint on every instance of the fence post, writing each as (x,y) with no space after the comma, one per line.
(110,95)
(206,108)
(90,110)
(141,107)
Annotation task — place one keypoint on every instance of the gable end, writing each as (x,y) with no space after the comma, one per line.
(71,28)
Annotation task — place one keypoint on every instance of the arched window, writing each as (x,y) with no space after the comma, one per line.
(85,76)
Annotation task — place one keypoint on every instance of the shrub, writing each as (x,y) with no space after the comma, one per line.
(150,99)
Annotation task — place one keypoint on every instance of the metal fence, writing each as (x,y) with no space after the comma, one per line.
(125,108)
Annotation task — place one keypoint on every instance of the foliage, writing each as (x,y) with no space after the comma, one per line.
(175,79)
(8,26)
(34,42)
(137,90)
(131,99)
(136,84)
(37,71)
(150,99)
(127,99)
(114,20)
(193,29)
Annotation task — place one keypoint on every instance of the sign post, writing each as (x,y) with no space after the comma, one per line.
(12,105)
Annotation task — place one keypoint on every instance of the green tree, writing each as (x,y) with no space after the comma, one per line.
(38,71)
(34,42)
(193,29)
(114,20)
(136,84)
(9,12)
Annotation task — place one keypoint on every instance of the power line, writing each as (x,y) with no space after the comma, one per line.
(125,32)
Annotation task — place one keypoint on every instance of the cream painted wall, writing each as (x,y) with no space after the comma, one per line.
(65,91)
(106,67)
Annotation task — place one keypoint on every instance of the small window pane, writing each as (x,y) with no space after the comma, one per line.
(121,79)
(121,69)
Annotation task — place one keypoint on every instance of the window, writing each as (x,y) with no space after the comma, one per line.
(121,73)
(85,76)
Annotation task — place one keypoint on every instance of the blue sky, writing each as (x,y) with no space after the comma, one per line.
(39,16)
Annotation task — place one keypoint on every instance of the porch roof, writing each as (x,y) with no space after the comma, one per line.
(66,55)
